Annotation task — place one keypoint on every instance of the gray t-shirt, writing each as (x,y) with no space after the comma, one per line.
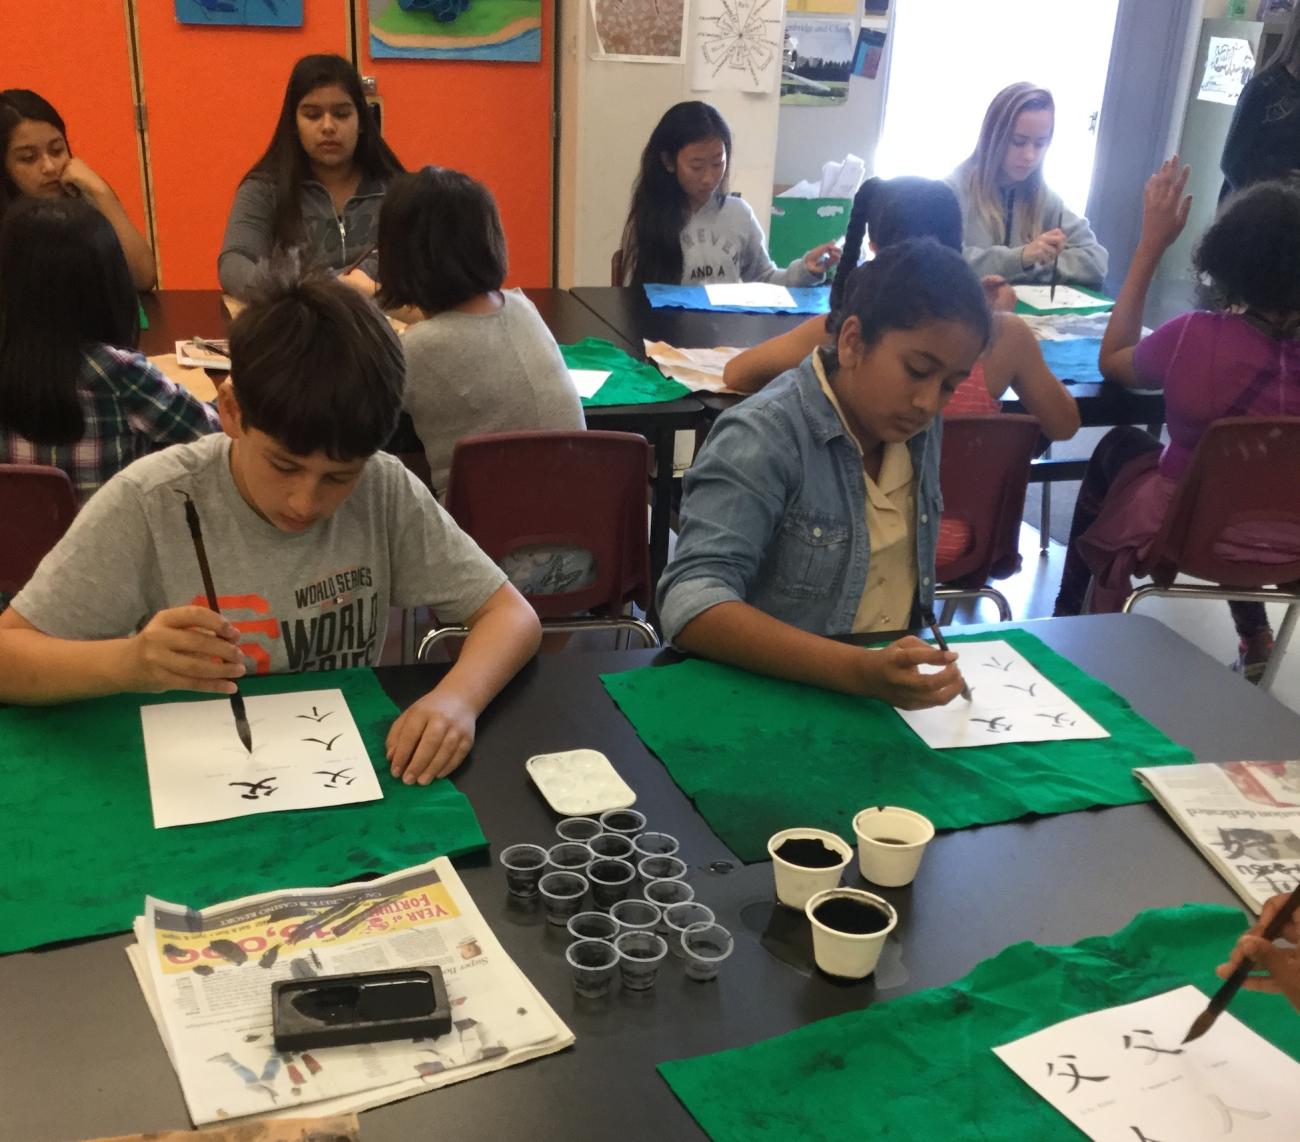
(470,373)
(317,600)
(723,242)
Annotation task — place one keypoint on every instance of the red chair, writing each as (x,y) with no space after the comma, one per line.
(573,489)
(983,472)
(37,505)
(1235,521)
(616,268)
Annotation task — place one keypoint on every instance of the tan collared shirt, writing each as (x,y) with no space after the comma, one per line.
(886,602)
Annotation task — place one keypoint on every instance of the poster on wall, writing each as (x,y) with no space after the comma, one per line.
(250,13)
(639,31)
(456,29)
(1229,63)
(869,53)
(819,61)
(737,45)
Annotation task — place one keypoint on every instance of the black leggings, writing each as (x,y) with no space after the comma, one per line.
(1116,449)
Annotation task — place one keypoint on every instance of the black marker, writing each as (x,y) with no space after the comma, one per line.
(1056,261)
(928,616)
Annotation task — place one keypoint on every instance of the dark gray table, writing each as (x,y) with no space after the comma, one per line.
(80,1056)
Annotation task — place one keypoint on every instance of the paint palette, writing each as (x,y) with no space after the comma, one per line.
(579,782)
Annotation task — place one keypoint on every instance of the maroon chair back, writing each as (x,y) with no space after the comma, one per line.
(983,473)
(37,505)
(579,489)
(616,268)
(1235,517)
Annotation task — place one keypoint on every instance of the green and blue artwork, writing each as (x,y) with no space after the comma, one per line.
(260,13)
(456,29)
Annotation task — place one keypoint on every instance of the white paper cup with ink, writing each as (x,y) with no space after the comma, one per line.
(805,861)
(891,843)
(849,927)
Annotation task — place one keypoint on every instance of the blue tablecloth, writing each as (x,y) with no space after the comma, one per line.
(813,300)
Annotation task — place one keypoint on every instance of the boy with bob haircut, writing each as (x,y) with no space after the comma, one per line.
(311,532)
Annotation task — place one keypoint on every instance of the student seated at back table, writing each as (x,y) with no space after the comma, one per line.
(312,535)
(38,163)
(1013,224)
(813,507)
(318,187)
(1243,360)
(74,393)
(684,228)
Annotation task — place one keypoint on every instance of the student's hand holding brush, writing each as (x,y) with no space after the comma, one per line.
(183,648)
(1278,962)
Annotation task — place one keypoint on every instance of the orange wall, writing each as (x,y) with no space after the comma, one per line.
(77,57)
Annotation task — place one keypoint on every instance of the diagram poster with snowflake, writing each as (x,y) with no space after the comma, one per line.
(307,753)
(639,31)
(737,45)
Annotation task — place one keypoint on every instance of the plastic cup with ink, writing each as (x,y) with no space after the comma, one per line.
(806,861)
(568,856)
(666,892)
(655,844)
(524,865)
(849,927)
(592,964)
(611,880)
(616,846)
(593,926)
(661,868)
(580,829)
(704,947)
(636,916)
(627,822)
(562,893)
(640,954)
(679,917)
(891,843)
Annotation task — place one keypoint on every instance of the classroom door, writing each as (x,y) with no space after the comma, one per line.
(211,97)
(79,58)
(491,119)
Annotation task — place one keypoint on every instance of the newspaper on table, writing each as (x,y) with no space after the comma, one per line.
(1243,815)
(698,369)
(207,977)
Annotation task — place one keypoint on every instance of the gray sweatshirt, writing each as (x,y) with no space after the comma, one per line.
(331,241)
(1083,261)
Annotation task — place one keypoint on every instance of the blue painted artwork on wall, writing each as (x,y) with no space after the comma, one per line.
(456,29)
(258,13)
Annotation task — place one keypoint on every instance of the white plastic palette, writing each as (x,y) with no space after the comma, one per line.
(579,782)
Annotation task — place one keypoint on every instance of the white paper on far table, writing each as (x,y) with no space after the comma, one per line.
(588,381)
(1120,1074)
(1010,702)
(750,294)
(307,753)
(1067,297)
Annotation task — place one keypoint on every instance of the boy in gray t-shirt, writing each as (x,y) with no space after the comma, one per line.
(311,533)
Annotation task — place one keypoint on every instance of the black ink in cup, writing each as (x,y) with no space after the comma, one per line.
(809,852)
(856,917)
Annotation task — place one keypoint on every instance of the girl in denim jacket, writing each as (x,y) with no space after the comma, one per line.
(813,508)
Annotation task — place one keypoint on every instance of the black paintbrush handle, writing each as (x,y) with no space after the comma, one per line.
(1232,984)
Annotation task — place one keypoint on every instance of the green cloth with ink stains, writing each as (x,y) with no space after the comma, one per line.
(922,1066)
(630,381)
(79,851)
(758,754)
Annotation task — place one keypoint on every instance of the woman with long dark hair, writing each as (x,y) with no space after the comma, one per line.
(1264,139)
(74,393)
(683,226)
(319,185)
(39,163)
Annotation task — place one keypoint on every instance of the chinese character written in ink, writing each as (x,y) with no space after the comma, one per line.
(315,716)
(994,664)
(335,777)
(1143,1040)
(1143,1137)
(996,725)
(1060,721)
(256,789)
(1226,1112)
(1070,1070)
(329,745)
(1027,689)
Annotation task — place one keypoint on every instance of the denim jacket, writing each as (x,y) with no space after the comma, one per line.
(775,514)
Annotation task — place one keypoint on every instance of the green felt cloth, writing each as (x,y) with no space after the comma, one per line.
(144,317)
(757,754)
(630,381)
(922,1066)
(79,850)
(1105,304)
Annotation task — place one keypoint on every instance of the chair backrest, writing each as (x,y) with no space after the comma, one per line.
(616,268)
(983,473)
(1235,516)
(37,505)
(575,489)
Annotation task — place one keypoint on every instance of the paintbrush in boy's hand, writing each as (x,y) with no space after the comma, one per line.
(928,616)
(1232,984)
(196,533)
(1056,261)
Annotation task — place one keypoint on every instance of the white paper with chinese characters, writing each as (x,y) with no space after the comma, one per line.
(1120,1075)
(1010,702)
(307,753)
(1067,297)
